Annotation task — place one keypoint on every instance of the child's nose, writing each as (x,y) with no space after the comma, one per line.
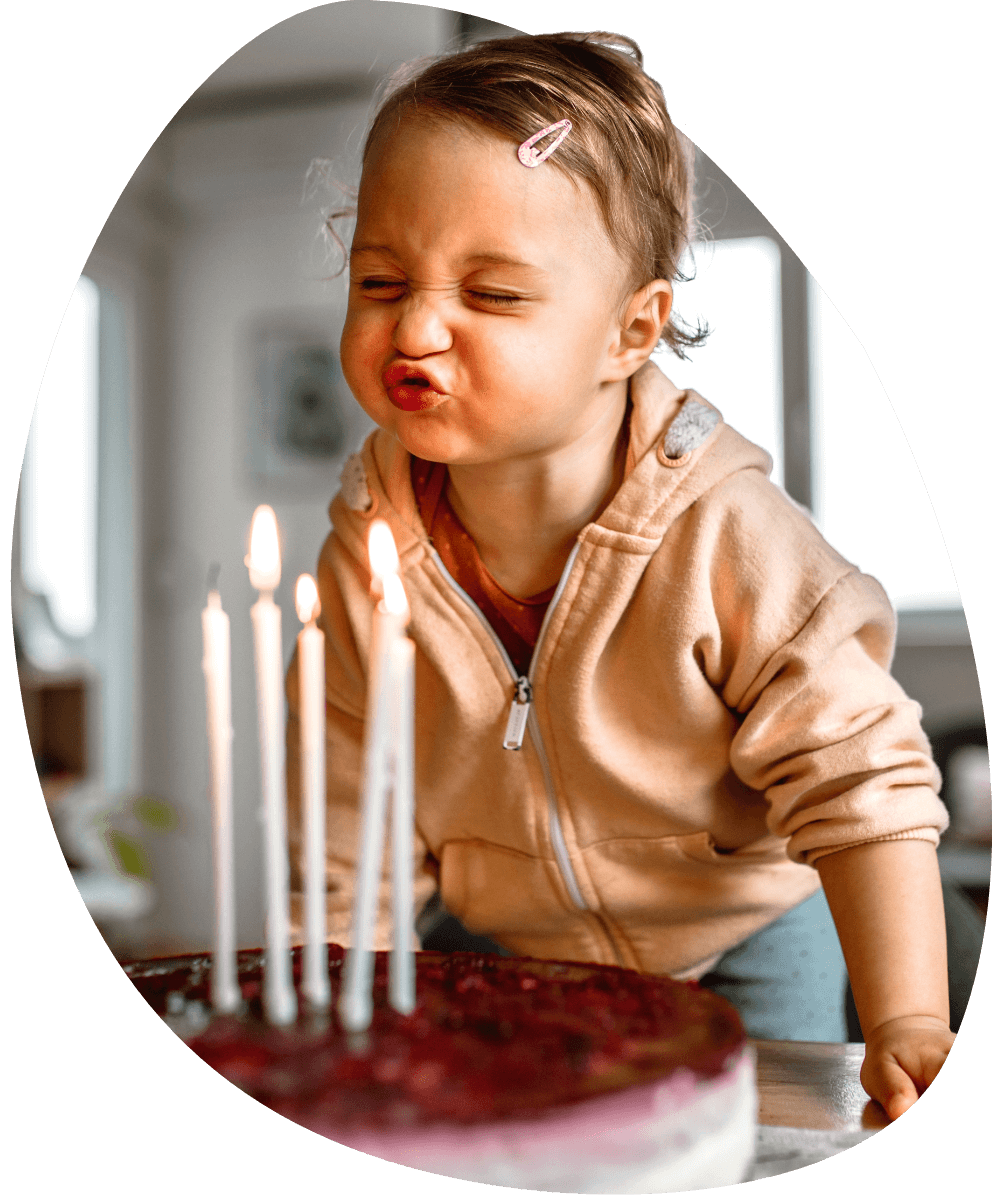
(421,329)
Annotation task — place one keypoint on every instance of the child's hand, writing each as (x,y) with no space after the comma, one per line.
(902,1058)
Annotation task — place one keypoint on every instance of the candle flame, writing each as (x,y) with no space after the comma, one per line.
(264,560)
(393,596)
(306,598)
(382,550)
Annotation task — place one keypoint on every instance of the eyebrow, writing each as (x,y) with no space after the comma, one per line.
(485,260)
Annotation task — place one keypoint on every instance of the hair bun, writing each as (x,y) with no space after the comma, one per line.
(619,42)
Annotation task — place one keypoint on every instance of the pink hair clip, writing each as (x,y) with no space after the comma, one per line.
(526,151)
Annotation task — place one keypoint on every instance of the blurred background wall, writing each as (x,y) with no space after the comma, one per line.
(200,379)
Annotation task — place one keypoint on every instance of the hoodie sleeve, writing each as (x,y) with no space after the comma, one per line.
(827,735)
(345,621)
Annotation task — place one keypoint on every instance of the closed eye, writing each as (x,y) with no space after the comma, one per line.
(499,299)
(373,287)
(381,288)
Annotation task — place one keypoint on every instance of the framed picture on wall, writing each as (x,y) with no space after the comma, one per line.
(303,421)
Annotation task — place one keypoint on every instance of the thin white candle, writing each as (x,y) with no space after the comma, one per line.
(390,617)
(225,990)
(312,727)
(402,963)
(264,561)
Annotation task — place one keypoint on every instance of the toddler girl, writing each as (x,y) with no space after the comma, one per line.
(653,709)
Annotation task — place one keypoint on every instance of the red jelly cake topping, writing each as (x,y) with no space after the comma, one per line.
(491,1037)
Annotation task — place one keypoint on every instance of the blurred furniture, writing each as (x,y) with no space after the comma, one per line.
(960,751)
(55,712)
(100,836)
(935,664)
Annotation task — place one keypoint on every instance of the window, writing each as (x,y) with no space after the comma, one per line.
(737,291)
(867,495)
(59,479)
(869,499)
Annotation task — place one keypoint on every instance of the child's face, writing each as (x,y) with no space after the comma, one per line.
(485,298)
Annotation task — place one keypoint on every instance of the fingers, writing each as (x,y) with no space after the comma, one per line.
(891,1086)
(899,1102)
(902,1058)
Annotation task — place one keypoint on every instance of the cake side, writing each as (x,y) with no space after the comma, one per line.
(682,1133)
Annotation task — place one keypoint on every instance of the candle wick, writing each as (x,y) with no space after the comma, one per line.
(213,577)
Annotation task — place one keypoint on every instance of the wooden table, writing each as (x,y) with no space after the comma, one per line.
(811,1104)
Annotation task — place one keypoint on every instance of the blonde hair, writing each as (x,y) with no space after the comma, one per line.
(623,144)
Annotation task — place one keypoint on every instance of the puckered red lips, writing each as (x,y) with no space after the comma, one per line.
(410,388)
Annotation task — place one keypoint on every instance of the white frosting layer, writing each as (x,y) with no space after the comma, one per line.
(681,1133)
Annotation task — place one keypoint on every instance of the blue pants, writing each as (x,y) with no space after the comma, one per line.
(789,980)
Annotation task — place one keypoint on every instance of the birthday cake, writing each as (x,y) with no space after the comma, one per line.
(537,1074)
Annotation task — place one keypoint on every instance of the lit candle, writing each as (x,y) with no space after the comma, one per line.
(215,663)
(264,562)
(312,726)
(402,963)
(391,614)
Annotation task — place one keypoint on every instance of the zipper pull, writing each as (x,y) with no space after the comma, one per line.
(518,719)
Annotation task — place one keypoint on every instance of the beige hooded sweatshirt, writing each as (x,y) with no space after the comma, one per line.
(710,711)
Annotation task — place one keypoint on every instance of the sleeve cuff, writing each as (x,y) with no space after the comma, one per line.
(928,834)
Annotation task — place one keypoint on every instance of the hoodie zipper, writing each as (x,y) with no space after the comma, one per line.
(522,717)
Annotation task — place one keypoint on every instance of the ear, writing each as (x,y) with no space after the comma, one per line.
(643,317)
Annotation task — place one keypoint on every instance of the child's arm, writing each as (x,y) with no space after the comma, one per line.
(886,901)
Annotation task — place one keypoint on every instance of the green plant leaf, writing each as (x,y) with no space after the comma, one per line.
(131,856)
(155,813)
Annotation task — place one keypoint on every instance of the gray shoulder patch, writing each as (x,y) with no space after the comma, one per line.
(689,429)
(354,485)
